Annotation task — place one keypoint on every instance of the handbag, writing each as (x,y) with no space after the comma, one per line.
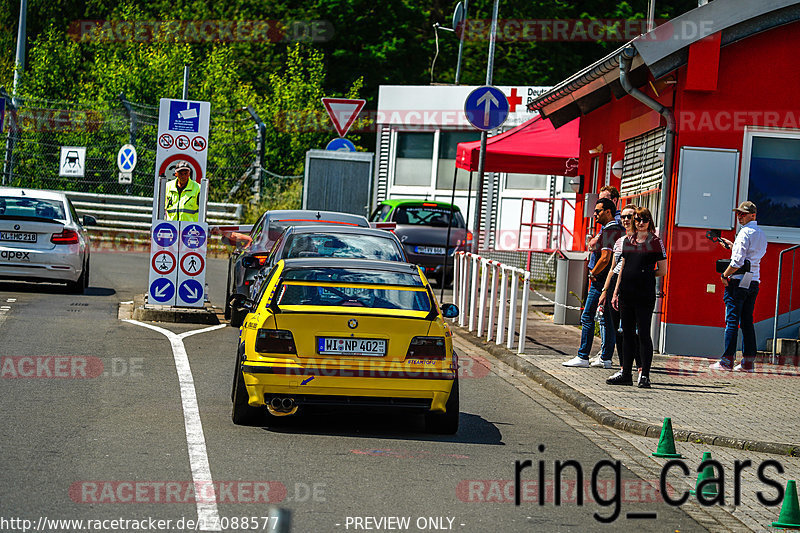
(723,264)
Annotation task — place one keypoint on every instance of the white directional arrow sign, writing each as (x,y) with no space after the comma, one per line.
(488,100)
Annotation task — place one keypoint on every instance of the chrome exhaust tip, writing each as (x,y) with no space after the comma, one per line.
(276,403)
(287,403)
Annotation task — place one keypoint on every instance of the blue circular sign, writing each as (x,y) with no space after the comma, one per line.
(190,291)
(165,234)
(193,236)
(341,145)
(486,107)
(162,290)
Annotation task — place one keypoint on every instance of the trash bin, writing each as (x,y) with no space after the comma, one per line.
(571,284)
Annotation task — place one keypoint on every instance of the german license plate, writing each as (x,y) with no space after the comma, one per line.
(430,250)
(351,346)
(16,236)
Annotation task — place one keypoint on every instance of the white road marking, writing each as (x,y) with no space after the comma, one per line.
(12,300)
(207,514)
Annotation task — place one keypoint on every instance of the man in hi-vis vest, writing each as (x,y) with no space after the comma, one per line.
(182,196)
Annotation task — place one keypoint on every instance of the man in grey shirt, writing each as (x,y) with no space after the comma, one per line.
(741,289)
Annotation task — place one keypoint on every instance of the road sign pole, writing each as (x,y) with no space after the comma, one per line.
(477,239)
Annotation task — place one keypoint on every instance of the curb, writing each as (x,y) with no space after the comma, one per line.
(141,311)
(608,418)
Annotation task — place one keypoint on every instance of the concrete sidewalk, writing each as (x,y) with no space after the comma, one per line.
(758,411)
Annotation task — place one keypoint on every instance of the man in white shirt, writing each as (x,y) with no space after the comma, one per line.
(741,289)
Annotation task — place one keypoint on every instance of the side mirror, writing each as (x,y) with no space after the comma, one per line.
(89,220)
(449,311)
(241,305)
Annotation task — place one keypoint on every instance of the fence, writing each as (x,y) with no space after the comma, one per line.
(472,299)
(36,130)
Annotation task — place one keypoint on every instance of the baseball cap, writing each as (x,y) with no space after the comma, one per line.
(182,165)
(747,208)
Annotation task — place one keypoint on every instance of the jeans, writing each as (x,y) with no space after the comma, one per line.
(587,324)
(613,314)
(739,304)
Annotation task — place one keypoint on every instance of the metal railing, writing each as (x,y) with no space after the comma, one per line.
(793,249)
(472,300)
(556,231)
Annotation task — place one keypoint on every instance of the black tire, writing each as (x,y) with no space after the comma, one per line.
(445,423)
(228,294)
(86,273)
(77,286)
(242,413)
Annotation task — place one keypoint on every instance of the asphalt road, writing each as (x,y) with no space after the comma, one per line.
(93,427)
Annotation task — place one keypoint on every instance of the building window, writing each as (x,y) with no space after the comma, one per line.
(414,161)
(771,180)
(527,181)
(643,171)
(448,148)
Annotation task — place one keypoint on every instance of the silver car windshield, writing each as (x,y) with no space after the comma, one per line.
(341,245)
(12,207)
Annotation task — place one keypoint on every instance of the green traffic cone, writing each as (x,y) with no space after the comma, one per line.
(666,443)
(790,509)
(708,472)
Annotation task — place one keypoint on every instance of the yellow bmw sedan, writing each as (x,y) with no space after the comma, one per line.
(346,332)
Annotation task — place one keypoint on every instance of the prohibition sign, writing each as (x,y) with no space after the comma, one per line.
(182,142)
(166,141)
(198,170)
(192,264)
(163,262)
(198,144)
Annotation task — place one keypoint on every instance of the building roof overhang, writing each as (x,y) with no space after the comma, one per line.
(661,51)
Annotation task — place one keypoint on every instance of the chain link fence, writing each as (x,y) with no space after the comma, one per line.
(36,130)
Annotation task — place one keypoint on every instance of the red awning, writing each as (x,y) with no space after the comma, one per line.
(534,147)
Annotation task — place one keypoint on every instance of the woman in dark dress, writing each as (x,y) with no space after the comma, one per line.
(643,260)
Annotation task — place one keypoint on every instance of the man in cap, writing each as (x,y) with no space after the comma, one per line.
(741,289)
(182,195)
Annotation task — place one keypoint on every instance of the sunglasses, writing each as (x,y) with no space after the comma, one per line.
(642,220)
(626,217)
(598,211)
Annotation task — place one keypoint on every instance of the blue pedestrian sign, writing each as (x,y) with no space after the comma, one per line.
(162,290)
(190,291)
(165,234)
(193,236)
(126,158)
(486,107)
(341,145)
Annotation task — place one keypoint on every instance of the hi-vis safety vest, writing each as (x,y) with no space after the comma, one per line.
(182,205)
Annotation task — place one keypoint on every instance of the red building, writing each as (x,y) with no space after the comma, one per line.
(724,78)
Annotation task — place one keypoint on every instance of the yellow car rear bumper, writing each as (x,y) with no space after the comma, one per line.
(348,385)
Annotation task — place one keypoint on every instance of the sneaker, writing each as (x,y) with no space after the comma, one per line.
(577,361)
(596,358)
(740,368)
(719,366)
(619,379)
(601,363)
(644,382)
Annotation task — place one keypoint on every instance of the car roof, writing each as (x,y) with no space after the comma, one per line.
(32,193)
(314,215)
(366,264)
(351,230)
(417,202)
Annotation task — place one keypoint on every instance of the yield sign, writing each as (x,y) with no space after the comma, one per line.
(343,112)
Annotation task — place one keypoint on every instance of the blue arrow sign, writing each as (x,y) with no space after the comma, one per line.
(193,236)
(165,234)
(190,291)
(486,107)
(162,290)
(341,145)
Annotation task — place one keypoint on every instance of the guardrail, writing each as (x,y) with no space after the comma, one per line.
(472,300)
(133,214)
